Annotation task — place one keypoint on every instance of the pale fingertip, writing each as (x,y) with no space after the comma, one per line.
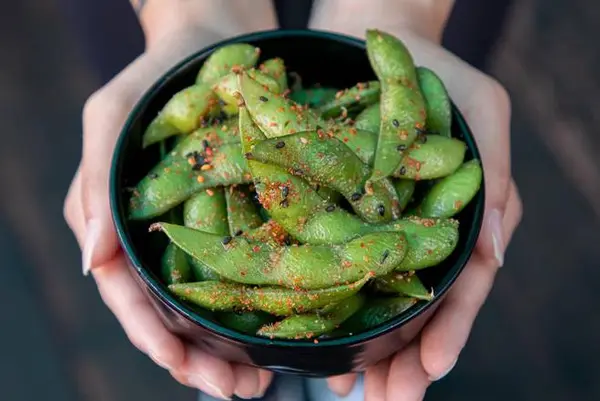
(264,379)
(494,222)
(444,373)
(90,244)
(342,385)
(218,375)
(247,381)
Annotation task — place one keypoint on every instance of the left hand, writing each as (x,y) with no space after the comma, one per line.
(486,107)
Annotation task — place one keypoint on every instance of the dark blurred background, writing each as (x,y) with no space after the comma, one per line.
(538,336)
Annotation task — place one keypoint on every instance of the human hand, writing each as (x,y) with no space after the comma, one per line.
(87,211)
(486,107)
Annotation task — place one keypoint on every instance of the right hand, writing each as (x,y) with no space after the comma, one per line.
(87,212)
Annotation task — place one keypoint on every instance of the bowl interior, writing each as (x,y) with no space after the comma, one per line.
(319,58)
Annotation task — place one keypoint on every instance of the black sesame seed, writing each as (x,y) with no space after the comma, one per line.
(298,171)
(385,255)
(422,138)
(153,176)
(381,210)
(401,148)
(285,191)
(263,99)
(317,187)
(279,144)
(402,170)
(248,155)
(395,123)
(238,233)
(287,240)
(284,203)
(226,240)
(356,196)
(205,144)
(330,208)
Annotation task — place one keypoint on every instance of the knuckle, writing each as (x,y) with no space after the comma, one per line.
(101,102)
(497,93)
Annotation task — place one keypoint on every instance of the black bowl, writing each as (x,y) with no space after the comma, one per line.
(319,57)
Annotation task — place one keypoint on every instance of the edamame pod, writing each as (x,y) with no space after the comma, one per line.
(402,106)
(430,241)
(188,108)
(188,169)
(275,67)
(314,97)
(431,156)
(221,296)
(405,190)
(274,114)
(305,266)
(206,211)
(222,60)
(361,142)
(361,95)
(377,311)
(174,266)
(437,102)
(227,86)
(328,161)
(242,214)
(157,130)
(311,325)
(452,193)
(369,119)
(246,322)
(406,284)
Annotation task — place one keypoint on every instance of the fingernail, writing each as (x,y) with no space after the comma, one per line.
(158,361)
(92,235)
(444,373)
(260,393)
(211,389)
(495,223)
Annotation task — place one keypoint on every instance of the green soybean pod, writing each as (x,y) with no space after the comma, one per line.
(405,190)
(174,266)
(221,296)
(274,114)
(452,193)
(223,59)
(305,266)
(275,67)
(158,130)
(402,107)
(206,211)
(248,322)
(375,312)
(406,284)
(227,86)
(328,161)
(431,156)
(180,175)
(242,213)
(437,102)
(361,142)
(187,108)
(369,119)
(430,241)
(313,97)
(307,326)
(359,96)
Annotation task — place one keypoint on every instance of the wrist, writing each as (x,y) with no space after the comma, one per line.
(424,18)
(162,18)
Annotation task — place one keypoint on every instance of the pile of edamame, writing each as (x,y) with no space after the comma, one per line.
(293,213)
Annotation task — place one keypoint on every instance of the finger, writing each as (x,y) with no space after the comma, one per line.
(407,380)
(376,378)
(246,381)
(206,373)
(265,377)
(513,213)
(73,211)
(343,384)
(444,337)
(140,321)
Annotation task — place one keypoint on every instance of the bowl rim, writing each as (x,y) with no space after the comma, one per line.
(160,291)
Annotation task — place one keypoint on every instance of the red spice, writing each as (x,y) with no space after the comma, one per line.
(210,192)
(457,205)
(200,179)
